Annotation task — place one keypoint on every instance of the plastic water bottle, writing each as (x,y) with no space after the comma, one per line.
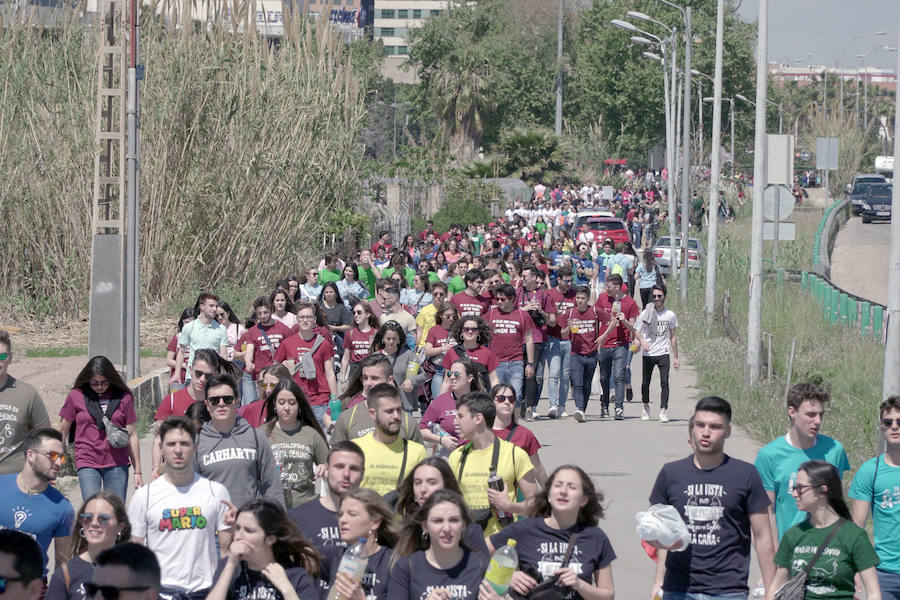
(353,565)
(415,363)
(334,407)
(504,562)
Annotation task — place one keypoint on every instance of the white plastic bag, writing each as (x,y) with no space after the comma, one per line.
(663,524)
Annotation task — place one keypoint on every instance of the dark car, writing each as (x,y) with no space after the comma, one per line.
(857,195)
(876,206)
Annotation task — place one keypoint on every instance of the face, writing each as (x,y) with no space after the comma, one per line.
(391,341)
(495,280)
(890,426)
(17,590)
(348,273)
(178,450)
(120,578)
(807,418)
(470,331)
(200,370)
(388,415)
(266,384)
(99,524)
(286,407)
(98,383)
(426,480)
(460,381)
(220,401)
(475,286)
(564,283)
(608,248)
(47,459)
(360,315)
(418,282)
(329,294)
(444,525)
(293,286)
(709,432)
(505,402)
(389,300)
(263,314)
(221,316)
(465,422)
(343,472)
(566,491)
(248,529)
(447,318)
(280,302)
(355,521)
(306,319)
(372,376)
(209,308)
(581,301)
(659,299)
(613,289)
(506,302)
(805,495)
(439,295)
(311,276)
(582,250)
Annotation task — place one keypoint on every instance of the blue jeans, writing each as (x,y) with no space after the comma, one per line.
(702,596)
(890,585)
(534,385)
(436,381)
(248,389)
(612,380)
(583,367)
(612,360)
(320,410)
(559,360)
(113,479)
(513,373)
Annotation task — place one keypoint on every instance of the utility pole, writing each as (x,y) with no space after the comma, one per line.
(132,208)
(673,169)
(686,158)
(714,167)
(891,378)
(559,69)
(754,316)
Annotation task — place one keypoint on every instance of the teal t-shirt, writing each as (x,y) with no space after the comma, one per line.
(831,577)
(884,488)
(777,464)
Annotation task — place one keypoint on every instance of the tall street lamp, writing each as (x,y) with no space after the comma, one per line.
(841,59)
(776,105)
(731,114)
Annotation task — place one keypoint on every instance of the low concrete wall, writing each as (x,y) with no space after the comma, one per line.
(149,390)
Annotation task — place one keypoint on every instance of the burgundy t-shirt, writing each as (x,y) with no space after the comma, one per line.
(521,437)
(359,343)
(173,347)
(263,355)
(620,336)
(562,302)
(254,413)
(523,296)
(468,305)
(584,341)
(509,331)
(442,411)
(482,355)
(293,348)
(91,448)
(437,336)
(174,404)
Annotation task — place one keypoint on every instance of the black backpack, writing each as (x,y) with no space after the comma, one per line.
(480,369)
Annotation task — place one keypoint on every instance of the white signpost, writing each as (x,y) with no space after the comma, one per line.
(778,200)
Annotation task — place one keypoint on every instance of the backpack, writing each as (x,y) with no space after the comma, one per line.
(617,269)
(480,370)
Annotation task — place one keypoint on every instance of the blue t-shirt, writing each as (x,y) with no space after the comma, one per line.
(414,577)
(716,505)
(646,279)
(884,488)
(584,263)
(601,263)
(43,516)
(777,464)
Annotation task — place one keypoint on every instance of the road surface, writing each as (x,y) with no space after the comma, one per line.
(859,260)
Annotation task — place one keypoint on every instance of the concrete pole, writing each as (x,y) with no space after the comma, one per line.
(733,157)
(673,169)
(686,158)
(132,212)
(714,168)
(700,127)
(891,377)
(559,69)
(754,316)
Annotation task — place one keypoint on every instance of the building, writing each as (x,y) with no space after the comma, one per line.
(804,75)
(394,19)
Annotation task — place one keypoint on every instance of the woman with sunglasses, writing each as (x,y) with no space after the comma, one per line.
(297,440)
(101,523)
(358,341)
(437,339)
(507,428)
(255,412)
(100,393)
(438,425)
(310,290)
(187,315)
(267,558)
(474,335)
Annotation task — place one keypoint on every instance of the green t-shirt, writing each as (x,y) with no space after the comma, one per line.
(831,577)
(367,277)
(407,273)
(455,285)
(477,240)
(328,275)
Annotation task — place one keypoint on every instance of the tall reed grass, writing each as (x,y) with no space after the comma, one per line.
(247,149)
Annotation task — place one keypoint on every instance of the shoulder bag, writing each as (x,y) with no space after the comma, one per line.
(549,589)
(795,587)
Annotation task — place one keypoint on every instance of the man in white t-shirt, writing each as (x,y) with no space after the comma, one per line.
(177,516)
(657,324)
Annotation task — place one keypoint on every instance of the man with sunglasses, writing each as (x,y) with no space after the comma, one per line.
(125,572)
(203,332)
(876,487)
(657,325)
(30,504)
(21,566)
(777,461)
(23,411)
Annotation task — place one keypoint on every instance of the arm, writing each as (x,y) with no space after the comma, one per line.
(860,512)
(771,511)
(155,452)
(248,358)
(225,540)
(63,428)
(540,473)
(345,363)
(529,353)
(179,363)
(332,388)
(170,358)
(61,549)
(501,500)
(674,344)
(134,452)
(660,572)
(602,590)
(870,581)
(780,578)
(764,546)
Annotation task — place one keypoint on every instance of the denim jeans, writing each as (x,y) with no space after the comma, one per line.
(559,359)
(319,410)
(890,585)
(535,384)
(436,381)
(113,479)
(513,373)
(583,367)
(702,596)
(248,389)
(612,361)
(612,378)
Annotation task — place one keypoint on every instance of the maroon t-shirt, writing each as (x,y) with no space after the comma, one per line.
(523,296)
(442,411)
(437,336)
(174,404)
(316,389)
(92,448)
(562,302)
(359,343)
(482,355)
(254,413)
(509,329)
(584,341)
(470,305)
(620,336)
(173,347)
(521,437)
(263,356)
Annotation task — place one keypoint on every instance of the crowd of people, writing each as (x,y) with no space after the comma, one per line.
(377,405)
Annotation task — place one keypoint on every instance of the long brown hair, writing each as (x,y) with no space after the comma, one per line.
(414,538)
(406,504)
(590,513)
(79,544)
(290,548)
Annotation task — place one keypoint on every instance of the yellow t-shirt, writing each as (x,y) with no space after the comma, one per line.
(383,462)
(426,319)
(512,465)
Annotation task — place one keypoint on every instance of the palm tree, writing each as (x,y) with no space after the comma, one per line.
(534,154)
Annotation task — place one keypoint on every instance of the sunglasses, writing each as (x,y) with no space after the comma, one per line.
(111,592)
(4,355)
(268,386)
(889,422)
(4,581)
(655,296)
(455,374)
(54,456)
(214,400)
(95,383)
(801,487)
(505,398)
(203,374)
(101,518)
(470,329)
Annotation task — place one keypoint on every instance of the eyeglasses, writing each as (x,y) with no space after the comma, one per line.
(4,581)
(214,400)
(54,456)
(98,383)
(455,374)
(359,312)
(470,329)
(890,422)
(267,386)
(505,398)
(565,281)
(203,374)
(111,592)
(4,356)
(102,519)
(305,317)
(660,296)
(799,488)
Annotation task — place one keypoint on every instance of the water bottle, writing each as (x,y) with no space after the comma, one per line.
(334,407)
(503,564)
(353,565)
(495,482)
(439,449)
(415,363)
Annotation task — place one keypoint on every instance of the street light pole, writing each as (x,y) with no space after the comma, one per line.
(713,230)
(841,60)
(686,158)
(891,377)
(559,69)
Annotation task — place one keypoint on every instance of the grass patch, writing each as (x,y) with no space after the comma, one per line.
(835,357)
(57,352)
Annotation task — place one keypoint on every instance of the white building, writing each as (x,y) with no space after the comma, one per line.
(394,19)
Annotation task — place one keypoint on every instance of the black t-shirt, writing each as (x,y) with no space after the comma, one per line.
(413,578)
(375,579)
(541,549)
(473,536)
(247,584)
(716,506)
(318,525)
(80,572)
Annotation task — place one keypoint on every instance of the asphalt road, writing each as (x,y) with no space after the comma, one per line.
(859,260)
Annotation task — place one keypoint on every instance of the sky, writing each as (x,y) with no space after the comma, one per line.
(825,27)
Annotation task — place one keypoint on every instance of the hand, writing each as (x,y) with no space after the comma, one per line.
(406,386)
(320,470)
(676,363)
(567,577)
(654,591)
(176,377)
(239,550)
(249,366)
(656,544)
(138,480)
(499,499)
(449,442)
(231,515)
(646,347)
(529,371)
(154,472)
(522,582)
(274,572)
(345,374)
(486,592)
(346,587)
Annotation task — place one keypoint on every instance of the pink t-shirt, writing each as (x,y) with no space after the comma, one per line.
(509,331)
(91,447)
(442,411)
(482,355)
(293,348)
(359,343)
(470,305)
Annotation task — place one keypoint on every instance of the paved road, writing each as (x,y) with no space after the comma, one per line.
(859,261)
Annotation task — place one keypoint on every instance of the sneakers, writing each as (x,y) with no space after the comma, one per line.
(604,413)
(579,416)
(663,417)
(564,415)
(529,414)
(552,413)
(620,414)
(629,394)
(645,415)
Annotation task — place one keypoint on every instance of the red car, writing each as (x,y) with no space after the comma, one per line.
(598,226)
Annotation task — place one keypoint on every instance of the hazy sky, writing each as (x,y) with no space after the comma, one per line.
(824,27)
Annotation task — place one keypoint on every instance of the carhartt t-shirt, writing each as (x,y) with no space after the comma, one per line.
(414,577)
(42,516)
(383,462)
(878,483)
(508,331)
(21,410)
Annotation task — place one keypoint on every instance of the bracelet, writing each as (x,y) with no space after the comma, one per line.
(138,473)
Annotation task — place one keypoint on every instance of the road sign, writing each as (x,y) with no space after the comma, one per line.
(827,153)
(780,159)
(786,231)
(785,202)
(805,155)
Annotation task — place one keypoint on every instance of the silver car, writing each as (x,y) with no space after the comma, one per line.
(662,252)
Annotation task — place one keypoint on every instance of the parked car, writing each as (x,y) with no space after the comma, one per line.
(597,225)
(876,206)
(857,195)
(865,178)
(662,251)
